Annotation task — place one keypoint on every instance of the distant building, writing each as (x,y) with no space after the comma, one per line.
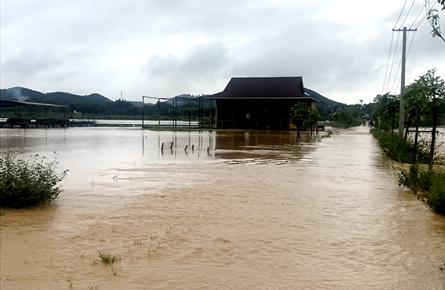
(259,103)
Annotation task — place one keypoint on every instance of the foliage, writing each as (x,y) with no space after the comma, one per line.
(433,19)
(348,116)
(108,258)
(433,87)
(28,182)
(430,183)
(385,111)
(401,149)
(304,116)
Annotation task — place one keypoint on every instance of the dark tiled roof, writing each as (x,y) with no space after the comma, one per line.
(263,88)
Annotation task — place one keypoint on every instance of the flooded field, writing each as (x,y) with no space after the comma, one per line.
(219,210)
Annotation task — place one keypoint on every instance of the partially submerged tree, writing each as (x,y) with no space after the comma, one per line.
(304,117)
(416,104)
(385,111)
(434,87)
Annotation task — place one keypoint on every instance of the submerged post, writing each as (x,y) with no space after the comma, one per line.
(143,112)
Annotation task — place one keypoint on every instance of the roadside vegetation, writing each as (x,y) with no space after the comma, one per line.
(27,182)
(424,107)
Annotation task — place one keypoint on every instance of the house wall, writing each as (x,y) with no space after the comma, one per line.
(255,114)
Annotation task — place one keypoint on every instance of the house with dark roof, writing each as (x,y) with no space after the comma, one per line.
(259,102)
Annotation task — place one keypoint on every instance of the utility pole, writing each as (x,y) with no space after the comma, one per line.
(402,81)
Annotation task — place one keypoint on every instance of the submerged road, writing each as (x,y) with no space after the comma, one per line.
(259,212)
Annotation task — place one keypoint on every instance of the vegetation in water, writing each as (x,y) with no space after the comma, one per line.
(424,101)
(401,149)
(107,258)
(429,184)
(27,182)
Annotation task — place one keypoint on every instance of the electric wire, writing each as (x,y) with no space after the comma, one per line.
(387,63)
(416,23)
(409,10)
(417,17)
(394,84)
(401,11)
(410,45)
(393,59)
(427,9)
(385,82)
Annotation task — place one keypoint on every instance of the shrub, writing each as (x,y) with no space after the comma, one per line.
(416,179)
(28,182)
(430,183)
(436,196)
(401,149)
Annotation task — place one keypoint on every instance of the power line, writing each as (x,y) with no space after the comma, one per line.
(393,59)
(418,15)
(396,77)
(387,63)
(411,7)
(400,13)
(411,43)
(426,11)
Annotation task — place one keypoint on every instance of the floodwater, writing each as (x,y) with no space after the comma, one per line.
(240,210)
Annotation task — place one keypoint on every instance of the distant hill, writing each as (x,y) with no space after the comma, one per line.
(61,98)
(323,101)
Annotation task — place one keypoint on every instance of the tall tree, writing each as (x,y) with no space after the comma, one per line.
(385,110)
(416,104)
(434,87)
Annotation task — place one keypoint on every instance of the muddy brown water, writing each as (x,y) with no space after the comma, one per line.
(240,211)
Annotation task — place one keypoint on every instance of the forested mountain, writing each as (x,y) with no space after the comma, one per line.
(60,98)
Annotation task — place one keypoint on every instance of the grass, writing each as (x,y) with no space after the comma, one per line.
(93,287)
(400,149)
(69,279)
(115,269)
(430,185)
(108,258)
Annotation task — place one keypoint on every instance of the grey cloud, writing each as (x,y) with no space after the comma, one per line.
(195,46)
(200,60)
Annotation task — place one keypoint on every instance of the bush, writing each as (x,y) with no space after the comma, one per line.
(401,149)
(436,196)
(416,179)
(28,182)
(430,183)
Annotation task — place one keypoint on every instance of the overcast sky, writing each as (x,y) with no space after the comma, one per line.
(164,48)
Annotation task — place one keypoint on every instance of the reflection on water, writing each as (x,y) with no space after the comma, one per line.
(220,210)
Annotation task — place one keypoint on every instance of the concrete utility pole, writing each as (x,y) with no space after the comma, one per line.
(402,81)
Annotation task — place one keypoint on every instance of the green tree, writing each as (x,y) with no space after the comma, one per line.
(303,116)
(434,88)
(416,104)
(385,111)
